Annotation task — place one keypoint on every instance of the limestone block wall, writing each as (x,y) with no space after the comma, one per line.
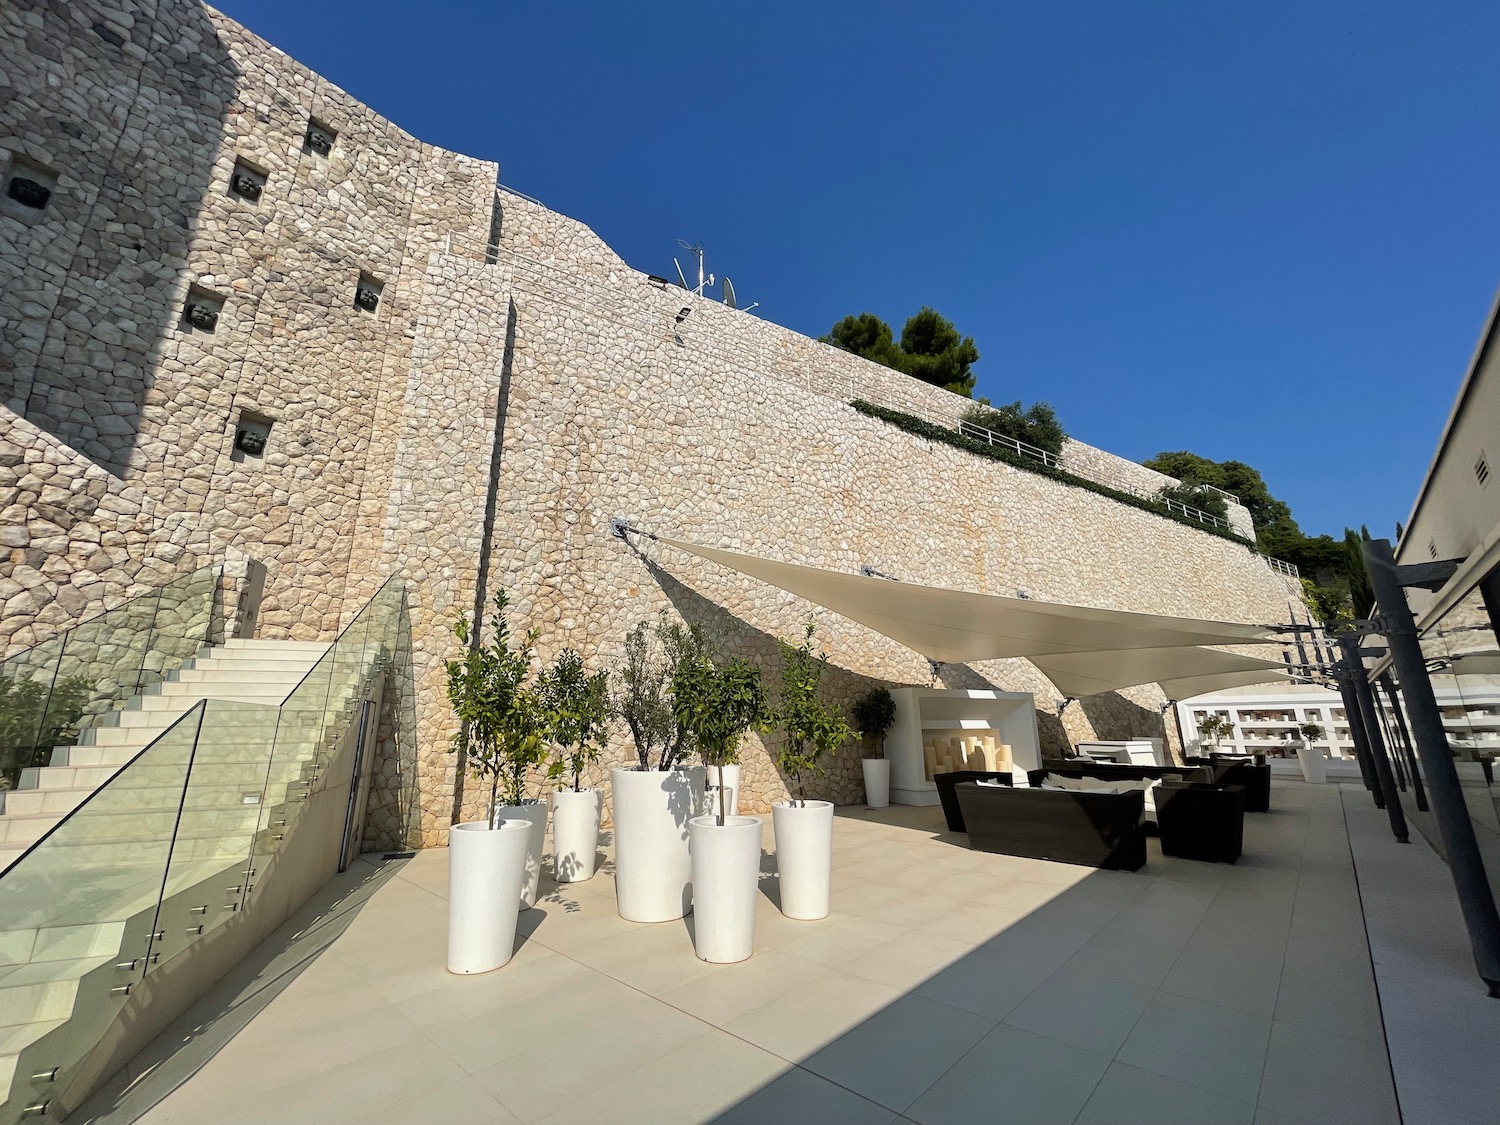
(480,428)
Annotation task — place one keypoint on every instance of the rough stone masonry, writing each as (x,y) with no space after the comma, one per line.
(515,388)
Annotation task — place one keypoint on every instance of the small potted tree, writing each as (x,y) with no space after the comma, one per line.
(874,715)
(1214,727)
(577,710)
(655,798)
(489,858)
(812,728)
(718,701)
(1309,757)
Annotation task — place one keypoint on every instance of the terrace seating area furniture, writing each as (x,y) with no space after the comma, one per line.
(945,783)
(1092,829)
(1254,775)
(1204,822)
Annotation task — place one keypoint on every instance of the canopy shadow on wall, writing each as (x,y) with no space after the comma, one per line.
(1097,650)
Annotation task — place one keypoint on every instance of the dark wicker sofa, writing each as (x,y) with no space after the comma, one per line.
(945,783)
(1204,822)
(1254,776)
(1092,829)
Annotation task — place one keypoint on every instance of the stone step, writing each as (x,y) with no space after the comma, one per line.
(41,990)
(58,802)
(246,644)
(210,672)
(13,1041)
(61,943)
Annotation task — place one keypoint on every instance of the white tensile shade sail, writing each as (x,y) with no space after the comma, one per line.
(1078,674)
(961,626)
(1189,686)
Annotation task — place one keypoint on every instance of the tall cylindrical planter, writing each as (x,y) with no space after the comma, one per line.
(804,857)
(1314,765)
(877,782)
(731,784)
(486,869)
(726,871)
(653,868)
(534,813)
(575,833)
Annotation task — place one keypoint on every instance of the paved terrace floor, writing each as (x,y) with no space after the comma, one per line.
(948,987)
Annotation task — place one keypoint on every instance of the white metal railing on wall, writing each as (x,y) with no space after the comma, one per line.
(1286,568)
(990,437)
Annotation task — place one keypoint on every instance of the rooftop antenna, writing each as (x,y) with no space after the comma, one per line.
(731,300)
(696,250)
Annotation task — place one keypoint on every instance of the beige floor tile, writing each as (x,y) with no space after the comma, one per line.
(796,1025)
(651,958)
(896,1054)
(1247,978)
(352,1092)
(1326,1077)
(801,1096)
(531,972)
(1088,1010)
(733,990)
(908,960)
(554,1073)
(1127,1095)
(1205,1045)
(850,937)
(1012,1075)
(465,1101)
(702,1079)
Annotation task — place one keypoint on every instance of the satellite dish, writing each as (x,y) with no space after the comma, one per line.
(729,294)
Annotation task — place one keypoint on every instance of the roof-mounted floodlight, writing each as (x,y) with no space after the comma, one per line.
(682,313)
(659,282)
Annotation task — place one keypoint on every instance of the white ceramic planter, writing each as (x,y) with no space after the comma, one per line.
(726,871)
(1314,765)
(731,783)
(535,814)
(575,833)
(653,868)
(877,782)
(804,857)
(486,869)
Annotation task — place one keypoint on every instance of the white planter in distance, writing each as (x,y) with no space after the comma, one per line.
(877,782)
(534,812)
(486,869)
(804,857)
(731,783)
(726,875)
(653,869)
(575,833)
(1314,765)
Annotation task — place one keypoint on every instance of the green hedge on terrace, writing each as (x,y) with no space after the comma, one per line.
(933,432)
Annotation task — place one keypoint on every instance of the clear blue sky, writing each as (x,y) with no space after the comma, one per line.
(1263,231)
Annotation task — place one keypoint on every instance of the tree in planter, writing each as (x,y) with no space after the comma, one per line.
(813,727)
(874,715)
(1311,731)
(1214,727)
(500,732)
(576,706)
(642,696)
(717,702)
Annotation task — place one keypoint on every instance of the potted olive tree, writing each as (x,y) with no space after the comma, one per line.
(718,701)
(1309,757)
(655,798)
(874,715)
(491,860)
(812,728)
(577,710)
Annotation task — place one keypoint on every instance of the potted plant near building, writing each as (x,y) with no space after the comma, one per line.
(812,729)
(718,701)
(488,859)
(655,799)
(577,710)
(1309,757)
(1214,727)
(874,715)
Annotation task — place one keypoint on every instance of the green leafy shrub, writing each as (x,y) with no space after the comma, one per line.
(576,706)
(717,702)
(813,727)
(1036,425)
(874,715)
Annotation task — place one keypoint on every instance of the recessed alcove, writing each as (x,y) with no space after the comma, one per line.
(247,182)
(201,310)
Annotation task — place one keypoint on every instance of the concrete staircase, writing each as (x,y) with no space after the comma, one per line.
(245,671)
(79,913)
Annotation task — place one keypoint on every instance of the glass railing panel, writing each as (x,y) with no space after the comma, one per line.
(211,863)
(78,910)
(182,625)
(26,684)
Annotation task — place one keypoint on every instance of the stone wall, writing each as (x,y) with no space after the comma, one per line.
(481,427)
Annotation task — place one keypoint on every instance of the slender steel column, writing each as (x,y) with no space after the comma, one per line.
(1475,897)
(1357,731)
(1405,735)
(1373,738)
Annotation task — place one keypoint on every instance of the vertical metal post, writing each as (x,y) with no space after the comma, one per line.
(1489,590)
(1357,732)
(1399,717)
(1373,738)
(1475,897)
(1387,732)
